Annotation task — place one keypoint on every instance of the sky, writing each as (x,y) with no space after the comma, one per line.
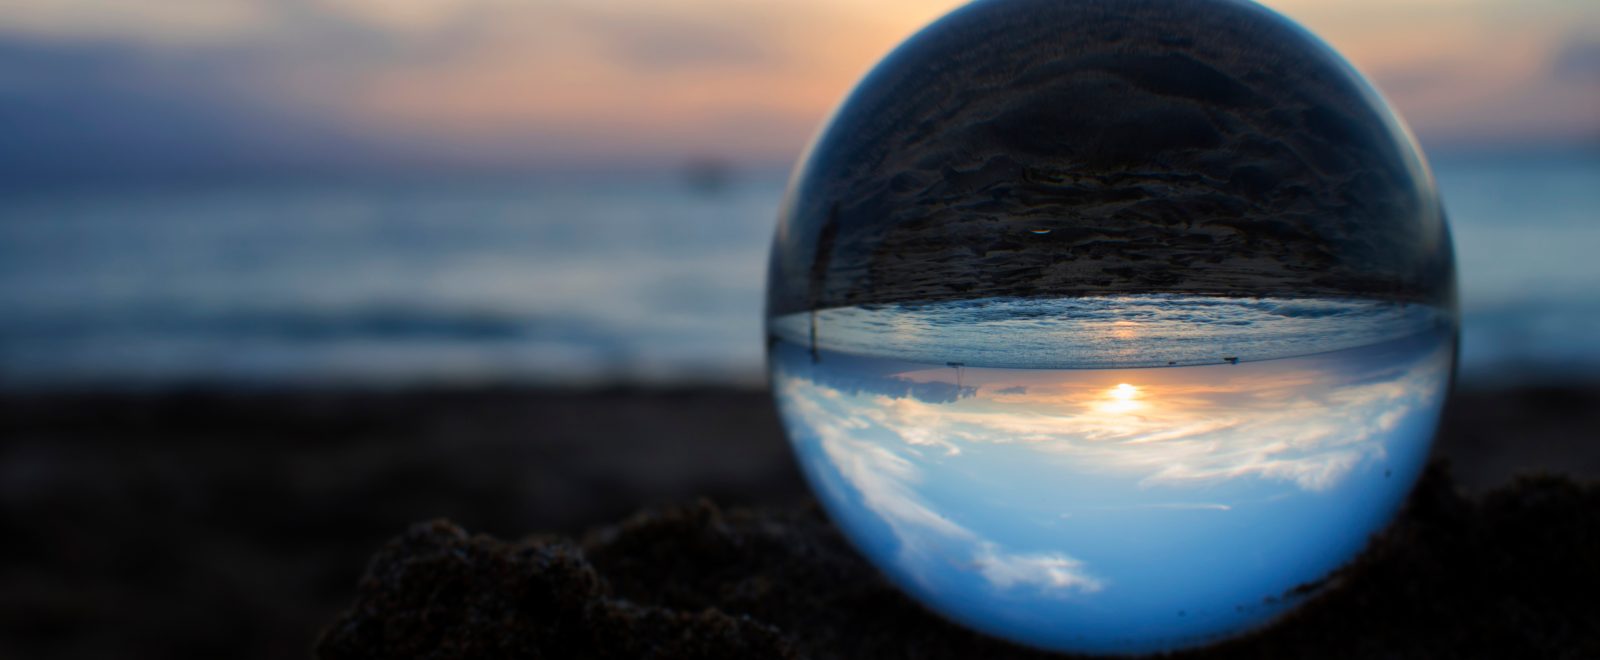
(1083,508)
(102,87)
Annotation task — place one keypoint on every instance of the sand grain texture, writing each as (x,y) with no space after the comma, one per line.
(1509,575)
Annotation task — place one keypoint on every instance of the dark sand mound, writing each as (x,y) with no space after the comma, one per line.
(1509,575)
(215,523)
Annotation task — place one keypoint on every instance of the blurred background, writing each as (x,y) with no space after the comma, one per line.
(279,276)
(328,192)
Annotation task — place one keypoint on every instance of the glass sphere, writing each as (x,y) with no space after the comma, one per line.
(1111,325)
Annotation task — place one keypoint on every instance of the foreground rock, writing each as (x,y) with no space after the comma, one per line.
(1512,574)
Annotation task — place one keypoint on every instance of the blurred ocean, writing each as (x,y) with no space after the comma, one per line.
(583,280)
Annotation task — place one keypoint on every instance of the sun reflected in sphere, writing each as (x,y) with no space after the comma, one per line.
(1108,325)
(1122,399)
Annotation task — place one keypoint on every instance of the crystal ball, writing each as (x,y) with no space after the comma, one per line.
(1111,326)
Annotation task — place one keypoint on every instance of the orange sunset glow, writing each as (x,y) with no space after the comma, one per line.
(655,81)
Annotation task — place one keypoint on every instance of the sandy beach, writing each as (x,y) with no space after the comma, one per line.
(388,329)
(206,523)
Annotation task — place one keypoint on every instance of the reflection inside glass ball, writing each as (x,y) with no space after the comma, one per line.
(1120,508)
(1111,326)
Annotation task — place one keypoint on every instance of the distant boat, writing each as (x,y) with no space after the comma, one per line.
(708,175)
(1231,360)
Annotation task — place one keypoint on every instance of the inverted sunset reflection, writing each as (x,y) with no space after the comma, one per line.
(1192,497)
(1121,399)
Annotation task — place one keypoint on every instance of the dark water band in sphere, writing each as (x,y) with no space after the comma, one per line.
(1111,326)
(1048,148)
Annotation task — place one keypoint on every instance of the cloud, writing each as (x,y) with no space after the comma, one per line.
(69,109)
(1213,441)
(1308,426)
(168,21)
(1157,506)
(1468,72)
(369,84)
(1578,60)
(1050,571)
(661,44)
(885,482)
(896,388)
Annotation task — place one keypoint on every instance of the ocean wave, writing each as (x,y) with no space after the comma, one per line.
(1103,332)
